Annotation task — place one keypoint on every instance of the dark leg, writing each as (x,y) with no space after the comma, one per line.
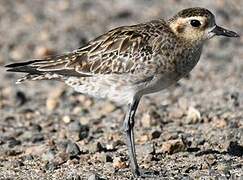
(128,125)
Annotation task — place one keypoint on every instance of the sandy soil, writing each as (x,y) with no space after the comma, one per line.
(47,131)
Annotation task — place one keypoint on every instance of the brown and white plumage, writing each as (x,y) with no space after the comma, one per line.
(130,61)
(122,53)
(128,58)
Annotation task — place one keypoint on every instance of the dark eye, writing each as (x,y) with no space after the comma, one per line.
(195,23)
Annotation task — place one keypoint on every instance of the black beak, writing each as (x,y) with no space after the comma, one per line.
(219,31)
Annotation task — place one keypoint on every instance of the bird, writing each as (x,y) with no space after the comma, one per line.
(128,62)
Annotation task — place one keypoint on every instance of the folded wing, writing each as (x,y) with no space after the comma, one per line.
(121,50)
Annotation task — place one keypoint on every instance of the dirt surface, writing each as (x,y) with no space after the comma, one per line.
(47,131)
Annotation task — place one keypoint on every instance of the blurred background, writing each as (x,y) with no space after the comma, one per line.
(49,131)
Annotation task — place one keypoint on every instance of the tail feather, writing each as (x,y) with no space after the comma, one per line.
(43,69)
(22,63)
(23,67)
(52,64)
(33,73)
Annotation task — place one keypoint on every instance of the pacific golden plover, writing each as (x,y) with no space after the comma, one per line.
(128,62)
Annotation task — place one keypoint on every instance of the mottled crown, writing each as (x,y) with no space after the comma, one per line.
(190,12)
(193,12)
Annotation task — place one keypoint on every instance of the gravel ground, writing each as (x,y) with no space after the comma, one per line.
(47,131)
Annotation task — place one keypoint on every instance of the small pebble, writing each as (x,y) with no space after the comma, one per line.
(2,142)
(111,146)
(119,163)
(28,157)
(78,131)
(13,142)
(107,108)
(52,103)
(235,149)
(94,177)
(173,146)
(61,157)
(66,119)
(17,163)
(17,53)
(143,138)
(48,156)
(51,166)
(145,149)
(42,51)
(176,113)
(38,137)
(183,104)
(85,101)
(123,14)
(193,115)
(210,159)
(27,135)
(36,127)
(20,98)
(84,120)
(29,113)
(75,177)
(219,123)
(146,120)
(222,167)
(73,150)
(29,18)
(104,157)
(155,134)
(109,158)
(84,132)
(75,126)
(151,119)
(96,147)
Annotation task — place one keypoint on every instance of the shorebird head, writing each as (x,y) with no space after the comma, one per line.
(197,24)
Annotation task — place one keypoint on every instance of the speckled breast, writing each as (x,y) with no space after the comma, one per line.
(188,61)
(177,70)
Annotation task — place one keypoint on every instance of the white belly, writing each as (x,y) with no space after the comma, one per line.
(160,83)
(104,87)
